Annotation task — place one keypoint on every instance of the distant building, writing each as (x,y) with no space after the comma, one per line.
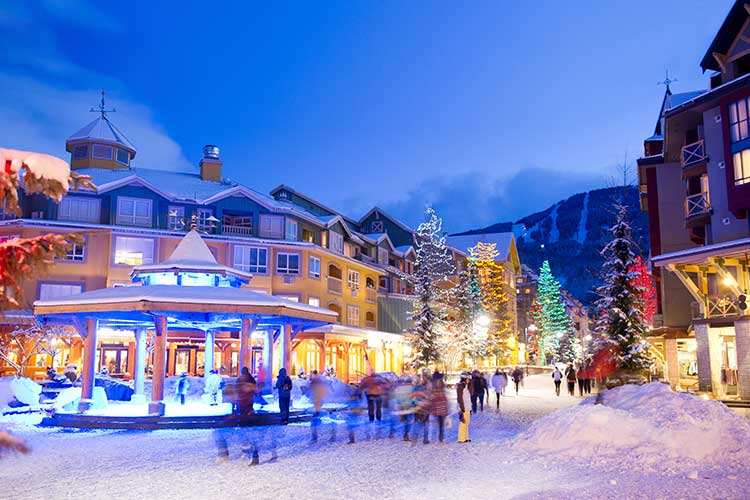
(694,180)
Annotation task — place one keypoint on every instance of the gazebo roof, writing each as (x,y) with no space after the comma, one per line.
(191,255)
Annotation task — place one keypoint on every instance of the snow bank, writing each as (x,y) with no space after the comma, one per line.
(649,425)
(24,390)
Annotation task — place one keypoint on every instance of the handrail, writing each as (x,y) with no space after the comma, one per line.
(697,204)
(692,153)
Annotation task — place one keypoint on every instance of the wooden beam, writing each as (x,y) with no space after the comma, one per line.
(688,283)
(727,279)
(721,60)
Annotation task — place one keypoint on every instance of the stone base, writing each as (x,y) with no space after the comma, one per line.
(85,404)
(156,408)
(138,399)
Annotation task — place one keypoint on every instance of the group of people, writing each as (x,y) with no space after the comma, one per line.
(584,376)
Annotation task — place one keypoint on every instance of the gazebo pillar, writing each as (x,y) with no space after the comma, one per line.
(89,364)
(140,366)
(267,373)
(156,406)
(248,326)
(322,344)
(208,353)
(285,347)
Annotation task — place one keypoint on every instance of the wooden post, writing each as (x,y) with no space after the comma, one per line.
(248,327)
(156,406)
(347,356)
(267,372)
(322,346)
(285,347)
(139,372)
(89,364)
(208,353)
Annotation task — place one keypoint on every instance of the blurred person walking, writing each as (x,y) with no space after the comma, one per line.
(463,397)
(557,378)
(439,403)
(570,376)
(421,397)
(372,387)
(284,388)
(498,382)
(517,377)
(181,389)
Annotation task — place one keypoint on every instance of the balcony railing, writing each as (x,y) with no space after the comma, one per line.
(371,295)
(237,230)
(693,153)
(717,306)
(370,324)
(334,285)
(697,204)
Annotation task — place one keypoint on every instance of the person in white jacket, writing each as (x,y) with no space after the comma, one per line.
(557,377)
(213,387)
(498,382)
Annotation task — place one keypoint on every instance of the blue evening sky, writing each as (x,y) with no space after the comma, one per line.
(488,110)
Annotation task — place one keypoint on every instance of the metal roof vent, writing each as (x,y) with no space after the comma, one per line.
(211,152)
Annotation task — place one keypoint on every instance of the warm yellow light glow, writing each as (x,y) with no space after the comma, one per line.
(728,281)
(483,321)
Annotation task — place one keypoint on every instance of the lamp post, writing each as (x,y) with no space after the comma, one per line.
(530,328)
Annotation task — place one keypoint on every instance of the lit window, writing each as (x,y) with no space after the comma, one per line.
(101,152)
(738,120)
(134,211)
(175,218)
(76,252)
(352,315)
(134,251)
(123,156)
(79,209)
(741,160)
(49,291)
(313,301)
(250,259)
(336,242)
(314,267)
(271,226)
(290,230)
(353,279)
(287,263)
(80,151)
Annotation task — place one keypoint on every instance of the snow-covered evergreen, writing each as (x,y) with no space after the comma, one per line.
(621,326)
(433,266)
(549,315)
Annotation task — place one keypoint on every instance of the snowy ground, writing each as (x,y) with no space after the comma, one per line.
(181,465)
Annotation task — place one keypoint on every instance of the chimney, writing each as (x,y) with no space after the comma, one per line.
(210,163)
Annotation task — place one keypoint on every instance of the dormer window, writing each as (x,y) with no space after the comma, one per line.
(80,151)
(376,226)
(284,195)
(101,152)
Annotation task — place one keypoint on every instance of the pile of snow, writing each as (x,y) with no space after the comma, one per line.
(649,424)
(15,390)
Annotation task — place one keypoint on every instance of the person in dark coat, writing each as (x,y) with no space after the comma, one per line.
(245,392)
(284,387)
(517,376)
(570,376)
(439,403)
(373,387)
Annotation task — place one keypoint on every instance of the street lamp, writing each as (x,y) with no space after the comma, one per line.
(531,328)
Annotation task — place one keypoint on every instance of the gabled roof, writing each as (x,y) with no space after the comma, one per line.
(729,30)
(284,187)
(671,101)
(102,130)
(406,250)
(384,214)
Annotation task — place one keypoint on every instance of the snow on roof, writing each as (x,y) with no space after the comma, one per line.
(354,331)
(502,242)
(102,130)
(699,254)
(675,100)
(182,295)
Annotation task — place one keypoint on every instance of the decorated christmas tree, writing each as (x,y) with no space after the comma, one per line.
(551,320)
(647,294)
(459,336)
(495,297)
(621,326)
(433,266)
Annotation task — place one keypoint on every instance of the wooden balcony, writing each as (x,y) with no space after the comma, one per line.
(717,306)
(697,210)
(334,285)
(371,295)
(237,225)
(237,230)
(693,159)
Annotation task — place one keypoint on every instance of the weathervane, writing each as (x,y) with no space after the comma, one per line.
(667,81)
(102,109)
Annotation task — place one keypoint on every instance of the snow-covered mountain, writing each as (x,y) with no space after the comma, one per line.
(570,235)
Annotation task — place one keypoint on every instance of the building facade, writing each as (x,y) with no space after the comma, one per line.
(694,181)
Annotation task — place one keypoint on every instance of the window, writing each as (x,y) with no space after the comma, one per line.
(80,151)
(308,236)
(352,315)
(101,152)
(48,291)
(79,209)
(76,252)
(291,230)
(271,226)
(175,218)
(353,279)
(250,259)
(383,256)
(336,242)
(287,263)
(741,160)
(314,267)
(738,120)
(123,156)
(134,211)
(134,251)
(204,220)
(376,226)
(313,301)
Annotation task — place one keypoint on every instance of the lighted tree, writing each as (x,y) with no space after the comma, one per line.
(550,317)
(22,258)
(21,344)
(495,296)
(621,327)
(647,294)
(458,336)
(433,266)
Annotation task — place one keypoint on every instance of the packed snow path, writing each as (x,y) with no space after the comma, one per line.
(182,464)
